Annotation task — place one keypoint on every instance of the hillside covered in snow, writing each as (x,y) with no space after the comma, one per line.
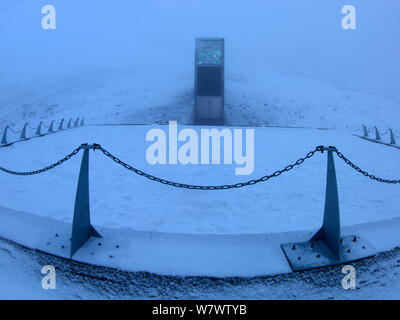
(288,64)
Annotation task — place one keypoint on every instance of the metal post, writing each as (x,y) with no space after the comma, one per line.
(4,138)
(51,126)
(365,132)
(38,133)
(76,122)
(327,247)
(82,230)
(69,124)
(392,139)
(83,121)
(60,127)
(23,133)
(377,135)
(330,230)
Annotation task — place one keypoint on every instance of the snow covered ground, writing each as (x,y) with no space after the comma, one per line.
(252,99)
(377,278)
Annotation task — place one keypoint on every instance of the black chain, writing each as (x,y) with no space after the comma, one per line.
(365,173)
(198,187)
(15,131)
(52,166)
(31,127)
(201,187)
(382,134)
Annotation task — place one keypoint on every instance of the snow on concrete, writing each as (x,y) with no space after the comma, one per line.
(178,254)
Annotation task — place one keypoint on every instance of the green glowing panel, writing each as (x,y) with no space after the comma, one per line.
(210,52)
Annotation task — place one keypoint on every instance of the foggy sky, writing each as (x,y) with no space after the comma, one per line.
(300,37)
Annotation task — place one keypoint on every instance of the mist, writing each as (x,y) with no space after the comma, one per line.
(157,36)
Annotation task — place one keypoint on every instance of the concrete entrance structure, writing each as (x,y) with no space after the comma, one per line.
(209,81)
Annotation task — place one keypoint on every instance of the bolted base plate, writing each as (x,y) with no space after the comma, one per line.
(315,254)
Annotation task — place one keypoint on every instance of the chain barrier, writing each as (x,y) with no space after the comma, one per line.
(365,173)
(382,134)
(393,134)
(31,127)
(50,129)
(201,187)
(15,131)
(52,166)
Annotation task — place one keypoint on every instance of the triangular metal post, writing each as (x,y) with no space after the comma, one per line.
(51,129)
(330,230)
(38,133)
(60,127)
(327,247)
(377,135)
(4,138)
(392,139)
(365,132)
(82,230)
(23,133)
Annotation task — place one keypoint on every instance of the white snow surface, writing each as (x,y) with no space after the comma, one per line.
(267,98)
(177,254)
